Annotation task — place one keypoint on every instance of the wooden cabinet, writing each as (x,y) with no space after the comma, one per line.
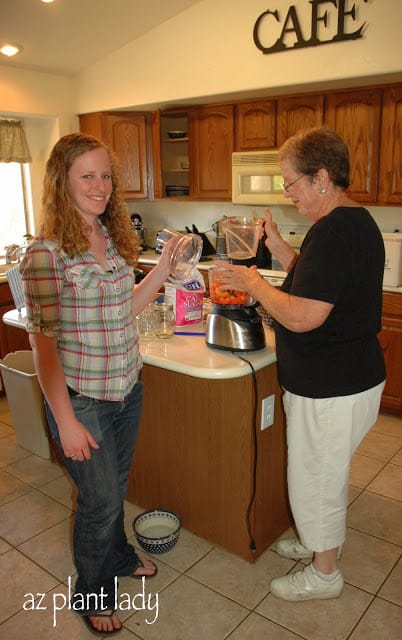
(298,112)
(195,455)
(390,169)
(211,143)
(126,134)
(355,115)
(391,342)
(174,154)
(369,120)
(11,338)
(255,125)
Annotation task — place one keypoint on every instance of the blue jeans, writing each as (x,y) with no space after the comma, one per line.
(101,550)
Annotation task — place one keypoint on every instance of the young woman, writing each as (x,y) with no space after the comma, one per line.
(81,302)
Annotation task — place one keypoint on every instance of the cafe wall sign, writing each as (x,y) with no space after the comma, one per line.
(337,20)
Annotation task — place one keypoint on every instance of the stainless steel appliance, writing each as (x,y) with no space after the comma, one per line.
(234,328)
(139,230)
(233,323)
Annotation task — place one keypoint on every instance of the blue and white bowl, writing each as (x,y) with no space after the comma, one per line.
(157,531)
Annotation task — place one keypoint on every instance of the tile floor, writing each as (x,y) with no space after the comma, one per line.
(201,591)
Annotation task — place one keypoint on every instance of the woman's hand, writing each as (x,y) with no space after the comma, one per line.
(77,441)
(144,292)
(166,256)
(237,276)
(278,247)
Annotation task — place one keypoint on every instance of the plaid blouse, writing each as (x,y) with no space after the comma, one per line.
(89,310)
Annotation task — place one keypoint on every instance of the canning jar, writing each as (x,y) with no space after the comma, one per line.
(165,319)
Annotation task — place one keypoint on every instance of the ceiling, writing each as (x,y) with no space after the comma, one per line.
(69,35)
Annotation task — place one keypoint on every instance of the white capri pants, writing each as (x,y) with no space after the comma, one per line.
(322,435)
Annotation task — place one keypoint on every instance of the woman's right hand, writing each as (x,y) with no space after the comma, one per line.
(77,441)
(166,255)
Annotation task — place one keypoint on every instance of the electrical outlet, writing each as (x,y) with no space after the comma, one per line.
(267,412)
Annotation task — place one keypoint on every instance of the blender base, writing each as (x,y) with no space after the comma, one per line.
(234,329)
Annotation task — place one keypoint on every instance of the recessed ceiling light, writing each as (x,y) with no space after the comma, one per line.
(10,50)
(47,1)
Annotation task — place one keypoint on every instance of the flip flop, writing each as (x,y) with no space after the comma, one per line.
(139,576)
(90,625)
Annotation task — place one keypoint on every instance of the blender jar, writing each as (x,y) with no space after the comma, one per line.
(242,236)
(230,297)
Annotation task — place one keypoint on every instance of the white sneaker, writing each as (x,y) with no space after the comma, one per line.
(306,585)
(293,549)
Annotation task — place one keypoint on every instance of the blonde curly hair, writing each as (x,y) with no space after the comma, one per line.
(61,222)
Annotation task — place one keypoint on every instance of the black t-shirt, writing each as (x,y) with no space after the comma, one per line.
(342,262)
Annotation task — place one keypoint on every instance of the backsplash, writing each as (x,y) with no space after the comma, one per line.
(178,214)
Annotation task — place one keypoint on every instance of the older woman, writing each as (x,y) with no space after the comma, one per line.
(327,317)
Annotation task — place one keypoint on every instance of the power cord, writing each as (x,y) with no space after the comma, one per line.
(252,545)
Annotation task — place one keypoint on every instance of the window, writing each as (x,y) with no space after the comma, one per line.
(15,204)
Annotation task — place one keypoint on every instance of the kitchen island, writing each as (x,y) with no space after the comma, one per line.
(200,450)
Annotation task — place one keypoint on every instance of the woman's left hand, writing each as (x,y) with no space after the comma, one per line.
(238,276)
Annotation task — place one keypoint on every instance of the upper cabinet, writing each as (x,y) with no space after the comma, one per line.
(187,152)
(126,134)
(390,169)
(255,125)
(298,112)
(356,116)
(173,163)
(211,143)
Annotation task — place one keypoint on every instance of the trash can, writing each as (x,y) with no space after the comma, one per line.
(25,400)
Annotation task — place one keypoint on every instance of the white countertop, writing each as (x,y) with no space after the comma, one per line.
(189,354)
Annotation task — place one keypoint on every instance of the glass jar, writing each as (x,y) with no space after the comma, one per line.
(165,320)
(147,323)
(186,253)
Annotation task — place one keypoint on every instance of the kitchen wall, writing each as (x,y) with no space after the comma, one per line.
(47,105)
(205,53)
(178,214)
(208,51)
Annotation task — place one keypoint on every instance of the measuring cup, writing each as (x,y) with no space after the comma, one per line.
(242,236)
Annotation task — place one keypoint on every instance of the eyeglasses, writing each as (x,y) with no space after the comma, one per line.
(286,187)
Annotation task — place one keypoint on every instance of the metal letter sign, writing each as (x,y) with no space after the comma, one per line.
(339,13)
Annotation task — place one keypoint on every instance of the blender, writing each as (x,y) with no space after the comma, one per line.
(233,323)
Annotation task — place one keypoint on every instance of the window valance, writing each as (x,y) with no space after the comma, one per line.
(13,142)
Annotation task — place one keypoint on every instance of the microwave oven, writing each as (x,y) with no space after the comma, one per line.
(257,179)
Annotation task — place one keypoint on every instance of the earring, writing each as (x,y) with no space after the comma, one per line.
(322,191)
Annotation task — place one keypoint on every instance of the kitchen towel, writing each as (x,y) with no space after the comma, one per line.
(15,282)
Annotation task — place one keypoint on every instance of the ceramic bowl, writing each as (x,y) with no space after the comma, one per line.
(157,531)
(177,134)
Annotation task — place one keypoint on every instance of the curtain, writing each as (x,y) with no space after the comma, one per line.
(13,142)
